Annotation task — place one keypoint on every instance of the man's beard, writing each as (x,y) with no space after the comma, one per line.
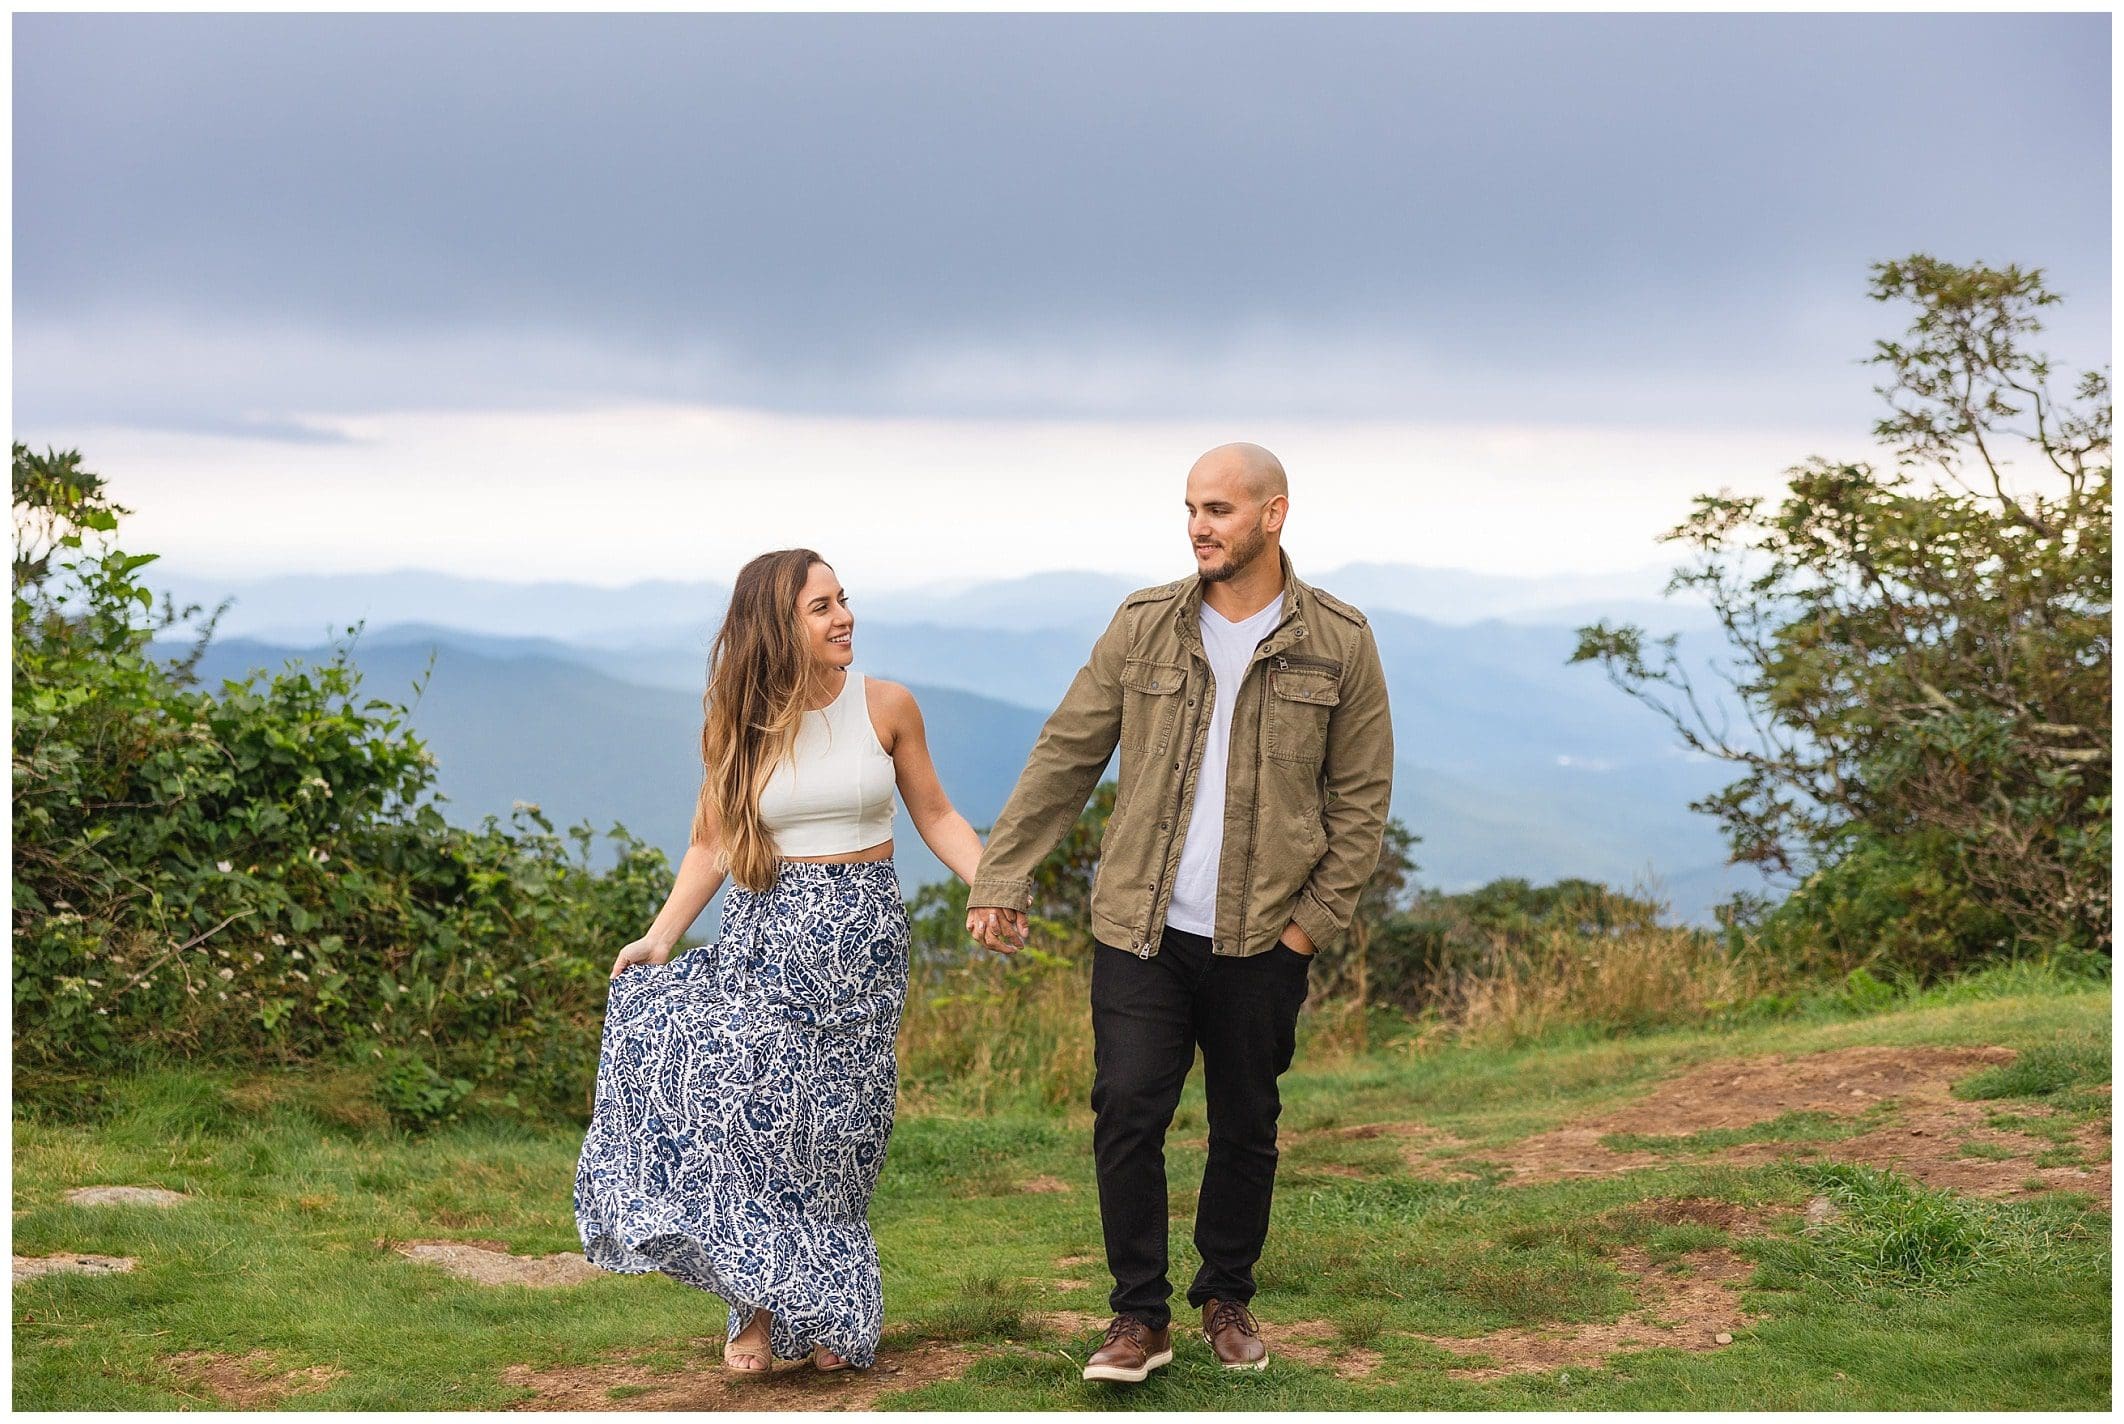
(1244,552)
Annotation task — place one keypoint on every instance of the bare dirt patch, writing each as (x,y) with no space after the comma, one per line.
(1067,1323)
(1686,1304)
(1070,1263)
(1922,1138)
(125,1196)
(1729,1217)
(28,1268)
(249,1381)
(1317,1343)
(793,1385)
(490,1264)
(1336,1169)
(1044,1184)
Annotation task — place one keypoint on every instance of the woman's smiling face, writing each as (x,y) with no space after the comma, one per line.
(822,612)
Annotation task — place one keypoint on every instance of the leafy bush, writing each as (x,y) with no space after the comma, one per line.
(260,872)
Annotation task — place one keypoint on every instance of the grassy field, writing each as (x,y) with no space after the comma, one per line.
(1573,1224)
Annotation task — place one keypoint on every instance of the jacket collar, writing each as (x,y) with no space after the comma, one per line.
(1288,630)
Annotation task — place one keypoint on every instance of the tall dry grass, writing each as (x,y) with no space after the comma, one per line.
(987,1031)
(1642,978)
(983,1031)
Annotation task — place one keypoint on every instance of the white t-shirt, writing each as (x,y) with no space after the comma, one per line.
(1230,647)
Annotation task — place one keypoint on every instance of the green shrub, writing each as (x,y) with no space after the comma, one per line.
(260,872)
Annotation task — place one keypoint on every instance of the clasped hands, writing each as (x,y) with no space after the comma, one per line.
(995,928)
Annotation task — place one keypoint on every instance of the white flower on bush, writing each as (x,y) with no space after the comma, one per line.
(226,973)
(281,939)
(224,866)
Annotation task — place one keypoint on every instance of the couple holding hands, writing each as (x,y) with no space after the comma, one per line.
(745,1088)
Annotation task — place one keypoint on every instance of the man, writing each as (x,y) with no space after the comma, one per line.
(1256,764)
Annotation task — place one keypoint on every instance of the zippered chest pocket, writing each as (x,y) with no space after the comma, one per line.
(1302,695)
(1150,704)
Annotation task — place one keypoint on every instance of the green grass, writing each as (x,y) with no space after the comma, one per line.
(1908,1299)
(2043,1070)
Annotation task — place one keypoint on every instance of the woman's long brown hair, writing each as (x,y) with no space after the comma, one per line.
(759,679)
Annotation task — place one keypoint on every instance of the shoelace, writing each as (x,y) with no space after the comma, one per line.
(1232,1314)
(1127,1325)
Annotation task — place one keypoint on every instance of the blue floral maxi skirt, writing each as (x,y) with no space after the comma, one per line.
(744,1095)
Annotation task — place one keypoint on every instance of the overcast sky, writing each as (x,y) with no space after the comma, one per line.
(615,297)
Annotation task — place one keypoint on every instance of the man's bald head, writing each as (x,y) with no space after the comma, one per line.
(1256,467)
(1236,500)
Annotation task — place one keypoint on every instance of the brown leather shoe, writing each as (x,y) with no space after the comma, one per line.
(1233,1336)
(1132,1350)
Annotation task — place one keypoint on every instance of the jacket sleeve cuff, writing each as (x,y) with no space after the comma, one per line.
(999,894)
(1322,928)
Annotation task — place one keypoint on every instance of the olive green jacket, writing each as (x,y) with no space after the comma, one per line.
(1310,770)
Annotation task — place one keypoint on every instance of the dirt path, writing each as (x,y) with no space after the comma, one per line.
(250,1381)
(621,1383)
(1923,1132)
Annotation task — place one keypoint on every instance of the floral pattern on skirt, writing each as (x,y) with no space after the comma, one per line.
(745,1092)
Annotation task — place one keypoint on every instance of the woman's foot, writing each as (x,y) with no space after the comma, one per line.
(826,1361)
(747,1352)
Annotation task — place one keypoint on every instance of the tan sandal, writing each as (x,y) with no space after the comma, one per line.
(826,1362)
(745,1355)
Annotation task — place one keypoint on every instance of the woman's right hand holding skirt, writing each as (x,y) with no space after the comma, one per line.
(645,950)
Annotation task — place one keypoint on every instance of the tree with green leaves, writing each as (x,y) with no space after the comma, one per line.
(1922,649)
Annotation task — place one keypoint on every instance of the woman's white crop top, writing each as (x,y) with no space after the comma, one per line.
(834,793)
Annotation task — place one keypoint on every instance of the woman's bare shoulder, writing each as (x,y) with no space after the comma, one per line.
(892,708)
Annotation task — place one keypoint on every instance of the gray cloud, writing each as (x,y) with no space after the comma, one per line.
(1639,217)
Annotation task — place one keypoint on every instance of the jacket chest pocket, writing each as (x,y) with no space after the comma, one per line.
(1150,703)
(1301,698)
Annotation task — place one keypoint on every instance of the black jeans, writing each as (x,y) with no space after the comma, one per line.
(1148,1015)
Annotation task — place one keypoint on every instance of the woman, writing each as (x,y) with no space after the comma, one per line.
(745,1089)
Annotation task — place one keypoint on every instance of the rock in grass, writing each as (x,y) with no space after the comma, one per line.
(498,1268)
(30,1267)
(125,1196)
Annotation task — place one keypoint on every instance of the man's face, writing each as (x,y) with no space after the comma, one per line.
(1228,529)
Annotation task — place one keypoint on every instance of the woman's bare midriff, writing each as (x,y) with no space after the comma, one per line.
(881,851)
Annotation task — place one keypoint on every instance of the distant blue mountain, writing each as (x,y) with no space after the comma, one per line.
(303,609)
(582,746)
(1509,761)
